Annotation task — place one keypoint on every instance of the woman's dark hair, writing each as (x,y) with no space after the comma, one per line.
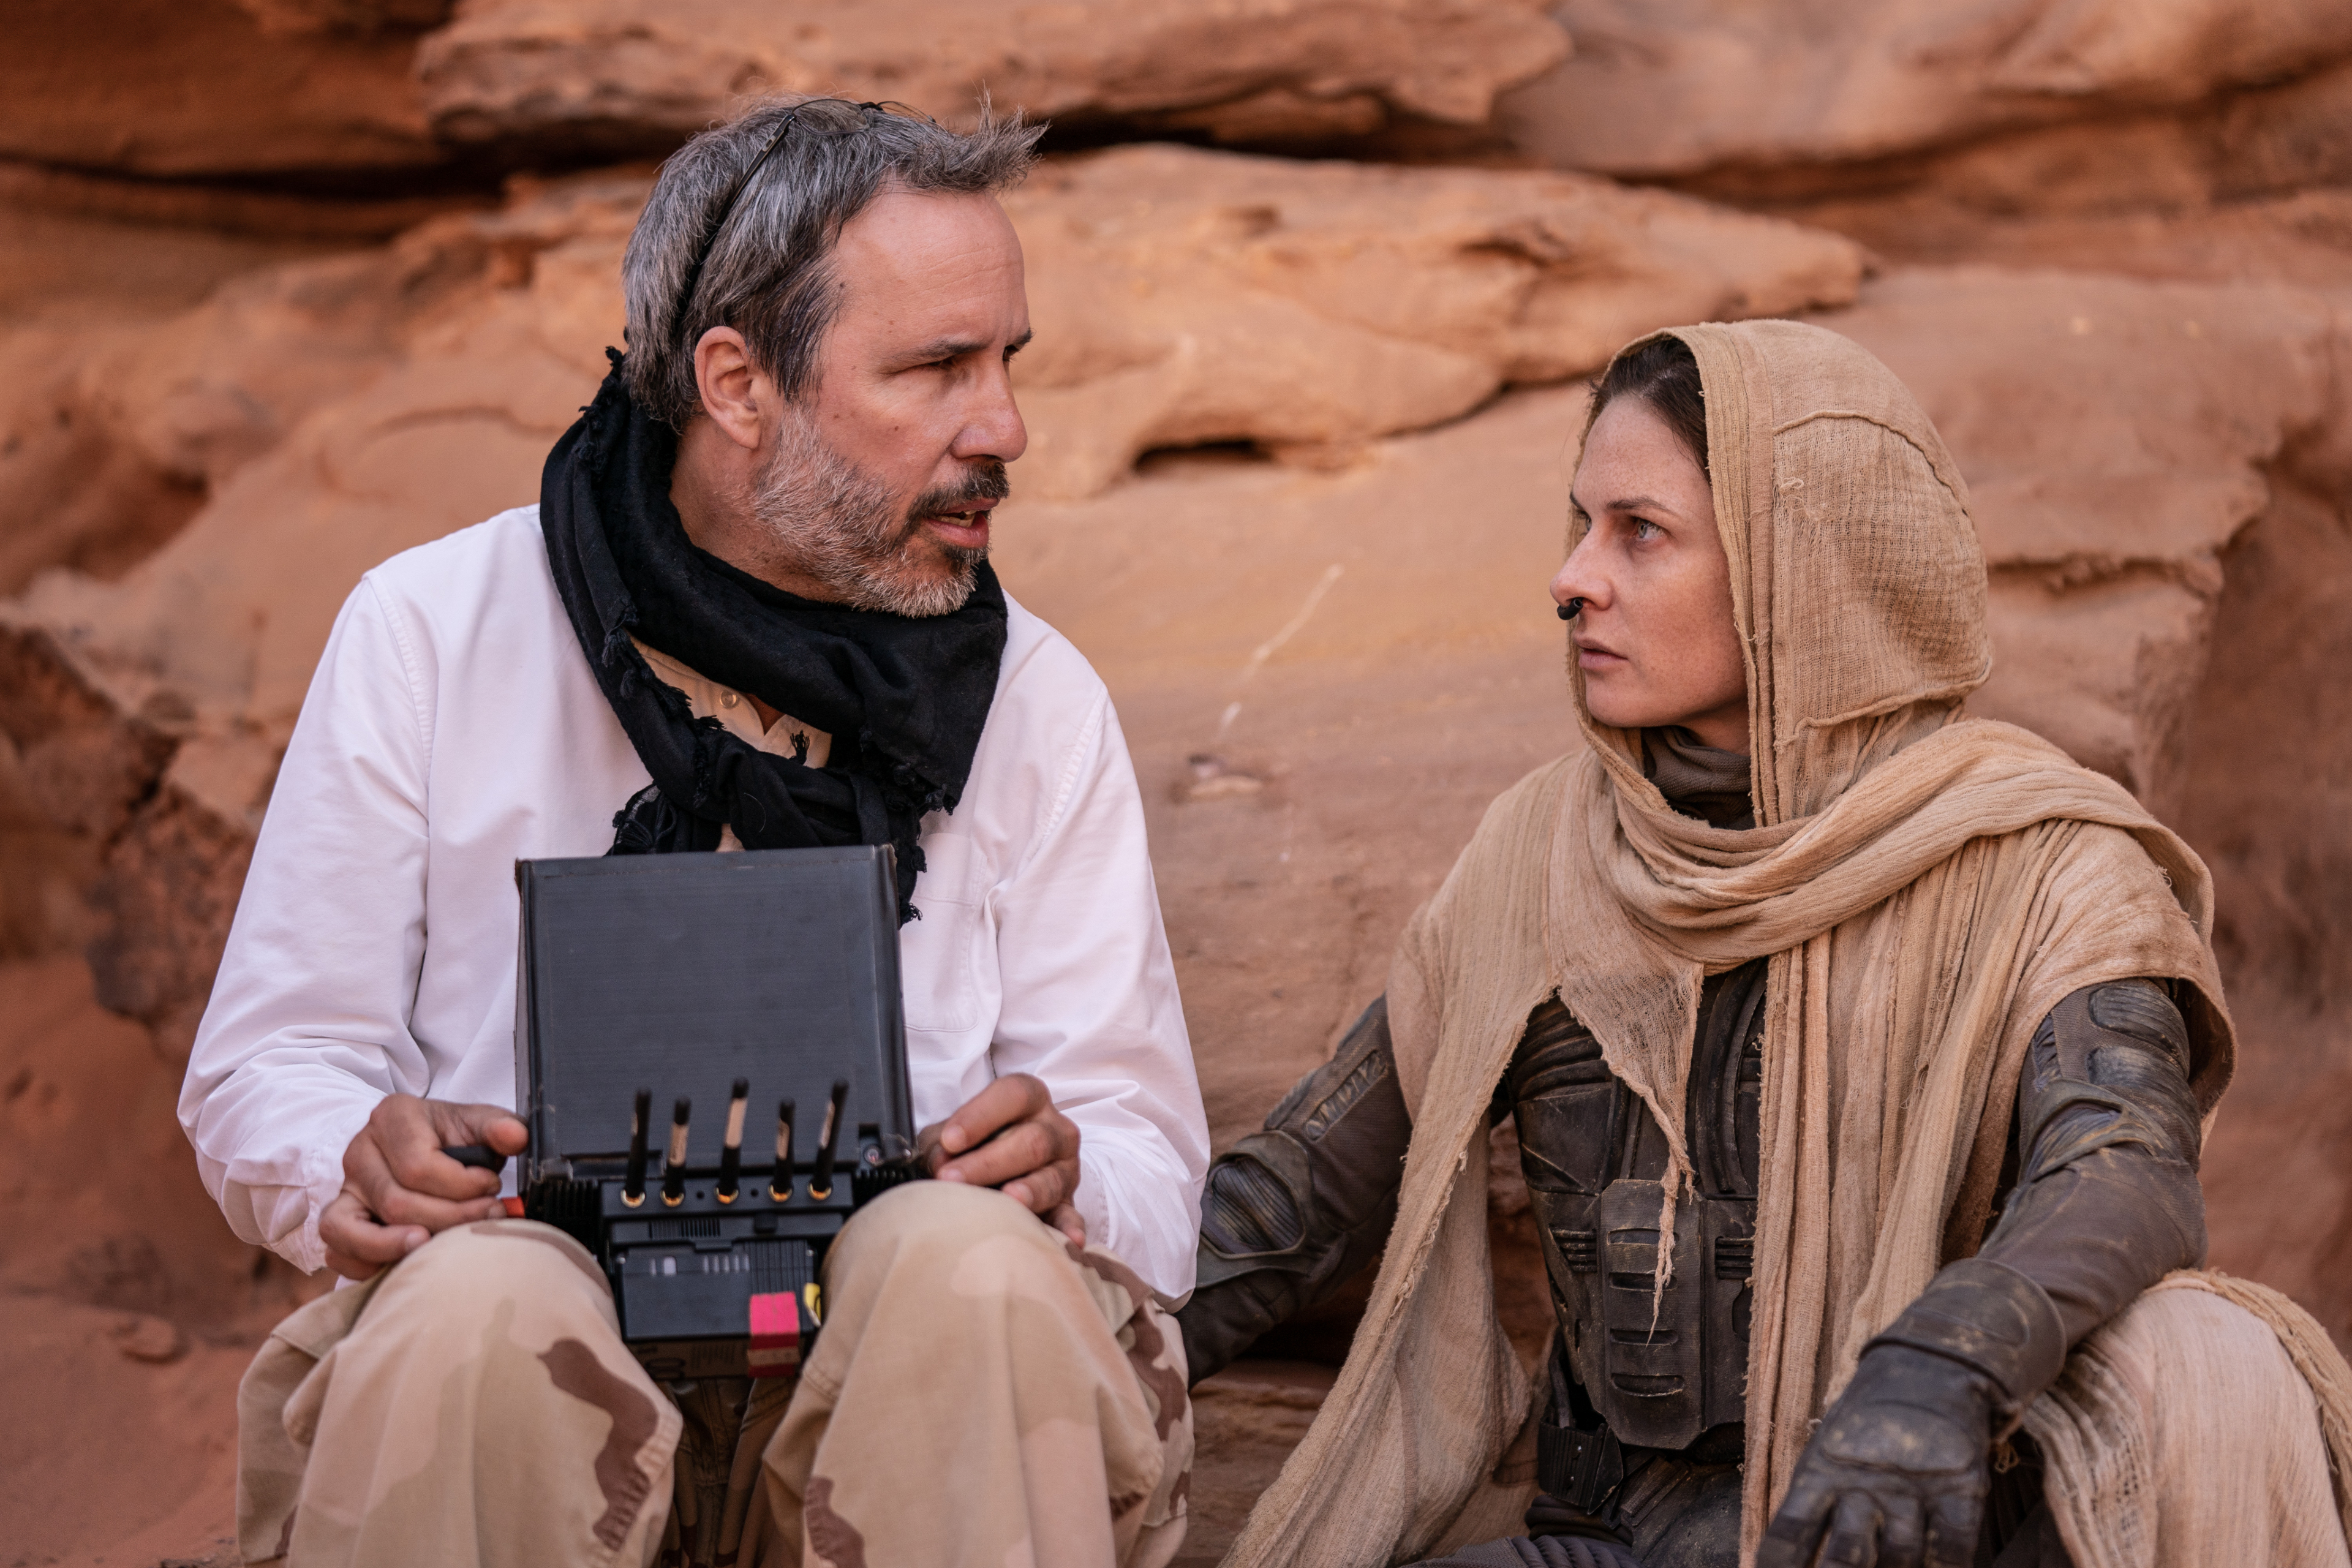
(1663,374)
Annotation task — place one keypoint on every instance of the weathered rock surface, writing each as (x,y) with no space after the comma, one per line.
(2268,790)
(2117,437)
(120,420)
(2253,183)
(1675,87)
(281,18)
(1182,298)
(636,73)
(185,88)
(1245,1421)
(339,91)
(148,713)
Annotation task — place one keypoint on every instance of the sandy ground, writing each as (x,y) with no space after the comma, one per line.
(127,1311)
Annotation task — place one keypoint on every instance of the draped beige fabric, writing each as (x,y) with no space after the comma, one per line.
(1927,887)
(2208,1423)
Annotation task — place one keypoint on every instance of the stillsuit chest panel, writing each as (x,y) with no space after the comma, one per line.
(1661,1366)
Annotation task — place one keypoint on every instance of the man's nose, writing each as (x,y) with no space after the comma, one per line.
(994,428)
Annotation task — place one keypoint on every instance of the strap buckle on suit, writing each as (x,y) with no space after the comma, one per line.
(1581,1467)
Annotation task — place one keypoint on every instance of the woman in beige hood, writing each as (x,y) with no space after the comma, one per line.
(1857,1051)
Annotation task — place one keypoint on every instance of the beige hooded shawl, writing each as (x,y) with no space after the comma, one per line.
(1926,886)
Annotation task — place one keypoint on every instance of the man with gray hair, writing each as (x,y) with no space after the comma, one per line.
(754,608)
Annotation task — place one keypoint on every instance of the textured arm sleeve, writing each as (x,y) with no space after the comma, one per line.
(1295,1209)
(1090,1007)
(2106,1201)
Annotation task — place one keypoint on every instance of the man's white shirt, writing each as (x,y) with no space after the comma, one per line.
(454,728)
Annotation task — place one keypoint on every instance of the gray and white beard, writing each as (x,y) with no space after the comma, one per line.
(836,522)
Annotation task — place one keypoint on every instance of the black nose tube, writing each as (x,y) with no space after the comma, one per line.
(1573,609)
(633,1190)
(780,1181)
(829,1141)
(731,1152)
(674,1169)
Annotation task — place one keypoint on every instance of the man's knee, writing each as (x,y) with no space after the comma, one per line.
(940,1214)
(468,1274)
(945,1241)
(503,1314)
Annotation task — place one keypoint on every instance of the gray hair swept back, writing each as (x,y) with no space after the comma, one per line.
(768,266)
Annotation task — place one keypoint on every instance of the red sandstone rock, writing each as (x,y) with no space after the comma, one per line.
(282,17)
(127,1311)
(201,87)
(1182,298)
(335,89)
(2116,436)
(1673,86)
(636,70)
(2253,183)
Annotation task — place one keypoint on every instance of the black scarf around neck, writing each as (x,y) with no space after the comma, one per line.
(905,698)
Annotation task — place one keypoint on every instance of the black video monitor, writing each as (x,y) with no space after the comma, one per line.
(666,1005)
(681,973)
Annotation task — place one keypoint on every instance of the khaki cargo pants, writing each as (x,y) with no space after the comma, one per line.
(983,1392)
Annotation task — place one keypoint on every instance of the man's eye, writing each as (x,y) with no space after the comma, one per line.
(1644,529)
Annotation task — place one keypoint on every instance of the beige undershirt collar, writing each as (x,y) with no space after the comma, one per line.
(735,713)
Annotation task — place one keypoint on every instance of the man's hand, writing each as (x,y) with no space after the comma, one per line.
(1009,1136)
(399,1188)
(1896,1473)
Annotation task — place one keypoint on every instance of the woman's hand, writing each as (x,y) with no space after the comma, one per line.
(1897,1473)
(1010,1137)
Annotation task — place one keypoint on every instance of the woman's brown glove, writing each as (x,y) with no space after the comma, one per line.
(1897,1473)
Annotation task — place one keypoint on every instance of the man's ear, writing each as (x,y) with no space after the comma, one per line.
(735,392)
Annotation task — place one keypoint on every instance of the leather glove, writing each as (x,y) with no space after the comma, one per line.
(1895,1475)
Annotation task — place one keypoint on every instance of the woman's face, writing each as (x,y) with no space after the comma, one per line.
(1655,639)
